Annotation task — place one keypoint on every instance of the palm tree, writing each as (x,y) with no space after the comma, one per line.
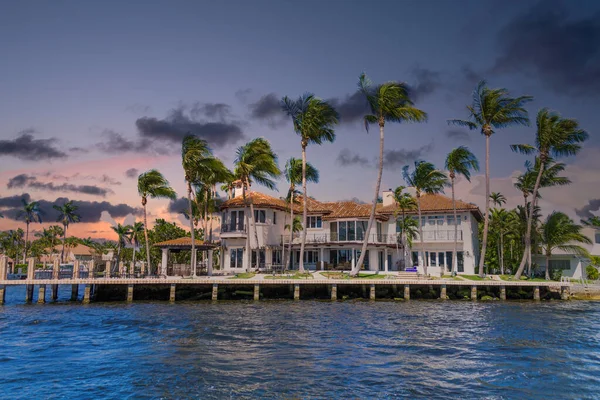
(293,174)
(314,120)
(592,222)
(424,179)
(405,202)
(122,232)
(555,137)
(387,102)
(30,213)
(499,220)
(152,184)
(497,199)
(134,233)
(66,214)
(492,109)
(459,161)
(560,232)
(255,162)
(296,226)
(206,193)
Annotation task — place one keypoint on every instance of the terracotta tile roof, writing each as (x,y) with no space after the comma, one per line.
(349,209)
(78,250)
(260,200)
(185,242)
(431,203)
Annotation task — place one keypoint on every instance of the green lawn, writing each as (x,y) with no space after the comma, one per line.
(523,278)
(473,277)
(297,275)
(244,275)
(455,278)
(345,275)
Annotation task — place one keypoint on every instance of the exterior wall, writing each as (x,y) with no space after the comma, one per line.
(577,265)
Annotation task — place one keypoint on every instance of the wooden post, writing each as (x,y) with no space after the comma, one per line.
(143,269)
(31,269)
(564,292)
(28,293)
(172,293)
(406,292)
(536,293)
(256,292)
(129,293)
(2,294)
(364,291)
(54,295)
(107,270)
(443,294)
(296,292)
(86,294)
(76,269)
(474,292)
(209,263)
(42,294)
(372,292)
(91,269)
(121,269)
(215,291)
(334,292)
(502,292)
(74,292)
(3,263)
(131,269)
(55,269)
(395,289)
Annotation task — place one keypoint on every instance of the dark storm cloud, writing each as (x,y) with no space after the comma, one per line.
(268,109)
(177,125)
(27,147)
(220,111)
(351,108)
(427,82)
(30,181)
(346,158)
(179,205)
(458,135)
(562,52)
(586,211)
(59,177)
(90,211)
(78,150)
(117,143)
(242,95)
(394,159)
(132,173)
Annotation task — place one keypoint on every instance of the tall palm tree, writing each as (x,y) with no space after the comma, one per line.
(555,137)
(497,199)
(387,102)
(135,231)
(293,174)
(499,220)
(206,193)
(405,202)
(296,226)
(492,109)
(30,213)
(314,120)
(459,161)
(152,184)
(560,232)
(255,162)
(67,213)
(425,178)
(122,232)
(592,222)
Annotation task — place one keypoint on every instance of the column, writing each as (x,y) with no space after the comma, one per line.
(3,263)
(30,269)
(215,292)
(322,258)
(564,293)
(74,292)
(209,265)
(364,291)
(443,294)
(372,292)
(131,269)
(2,294)
(536,293)
(28,293)
(129,293)
(121,269)
(172,293)
(406,292)
(474,292)
(385,260)
(55,269)
(91,269)
(395,289)
(164,260)
(143,269)
(334,292)
(86,294)
(296,292)
(502,292)
(107,269)
(256,292)
(76,269)
(42,294)
(353,258)
(54,295)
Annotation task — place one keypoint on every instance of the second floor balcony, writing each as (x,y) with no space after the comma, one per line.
(440,235)
(314,238)
(233,230)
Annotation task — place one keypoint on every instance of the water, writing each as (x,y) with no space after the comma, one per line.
(306,349)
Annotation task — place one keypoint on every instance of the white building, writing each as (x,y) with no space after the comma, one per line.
(336,230)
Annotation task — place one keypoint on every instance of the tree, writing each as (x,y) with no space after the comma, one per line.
(555,137)
(152,184)
(293,174)
(387,102)
(425,178)
(592,222)
(459,161)
(314,120)
(66,214)
(492,109)
(135,231)
(206,193)
(296,226)
(405,202)
(30,213)
(255,162)
(560,232)
(122,232)
(499,220)
(497,199)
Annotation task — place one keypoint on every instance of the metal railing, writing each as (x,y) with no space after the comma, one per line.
(379,238)
(227,228)
(440,235)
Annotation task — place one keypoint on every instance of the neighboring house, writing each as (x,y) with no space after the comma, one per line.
(79,252)
(335,232)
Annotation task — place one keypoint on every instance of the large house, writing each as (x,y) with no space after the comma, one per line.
(336,230)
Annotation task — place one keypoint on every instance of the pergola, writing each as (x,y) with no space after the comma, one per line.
(185,243)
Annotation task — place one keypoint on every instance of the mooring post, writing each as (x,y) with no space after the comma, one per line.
(131,269)
(564,293)
(143,269)
(172,293)
(86,294)
(536,293)
(91,269)
(31,269)
(406,292)
(74,292)
(395,289)
(54,295)
(129,293)
(28,293)
(502,292)
(2,294)
(215,291)
(334,291)
(256,292)
(364,290)
(443,295)
(42,294)
(107,270)
(372,292)
(55,269)
(3,264)
(121,269)
(296,292)
(76,269)
(474,292)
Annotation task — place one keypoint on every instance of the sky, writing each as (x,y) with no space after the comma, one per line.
(93,93)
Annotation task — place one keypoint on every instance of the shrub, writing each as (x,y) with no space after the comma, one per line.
(591,272)
(556,274)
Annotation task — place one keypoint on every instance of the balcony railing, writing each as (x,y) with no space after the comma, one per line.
(227,228)
(335,238)
(440,235)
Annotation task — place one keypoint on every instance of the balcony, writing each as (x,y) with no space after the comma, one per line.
(233,231)
(440,236)
(326,238)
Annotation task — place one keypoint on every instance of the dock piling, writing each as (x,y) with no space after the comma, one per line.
(215,292)
(256,292)
(564,292)
(30,270)
(372,292)
(54,295)
(28,293)
(474,292)
(172,293)
(86,294)
(76,269)
(406,292)
(2,294)
(296,292)
(502,292)
(536,293)
(443,294)
(74,292)
(129,293)
(42,294)
(334,292)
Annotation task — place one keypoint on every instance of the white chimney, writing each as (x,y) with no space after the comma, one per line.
(388,197)
(237,188)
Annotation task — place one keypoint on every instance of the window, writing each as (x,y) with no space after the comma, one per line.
(415,257)
(342,231)
(314,222)
(351,230)
(236,223)
(450,219)
(236,258)
(441,260)
(276,257)
(435,220)
(361,228)
(560,264)
(260,216)
(597,237)
(261,258)
(333,231)
(460,261)
(311,256)
(274,218)
(433,262)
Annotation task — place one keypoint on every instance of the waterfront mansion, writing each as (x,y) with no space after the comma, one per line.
(336,231)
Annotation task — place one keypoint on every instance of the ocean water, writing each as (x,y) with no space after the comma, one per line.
(300,350)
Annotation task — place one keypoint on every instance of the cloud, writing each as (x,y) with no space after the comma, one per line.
(458,135)
(220,111)
(132,173)
(117,143)
(586,211)
(30,181)
(268,109)
(78,150)
(394,159)
(547,44)
(427,82)
(353,107)
(177,125)
(26,147)
(346,158)
(242,95)
(90,211)
(59,177)
(176,206)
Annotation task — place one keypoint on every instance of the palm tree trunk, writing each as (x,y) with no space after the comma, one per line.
(26,240)
(547,267)
(62,255)
(421,234)
(304,212)
(403,238)
(133,257)
(193,255)
(149,269)
(454,258)
(363,250)
(247,228)
(254,229)
(486,220)
(501,252)
(291,227)
(530,221)
(206,213)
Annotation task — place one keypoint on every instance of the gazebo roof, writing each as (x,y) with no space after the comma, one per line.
(185,243)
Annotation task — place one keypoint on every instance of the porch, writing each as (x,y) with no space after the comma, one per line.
(175,266)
